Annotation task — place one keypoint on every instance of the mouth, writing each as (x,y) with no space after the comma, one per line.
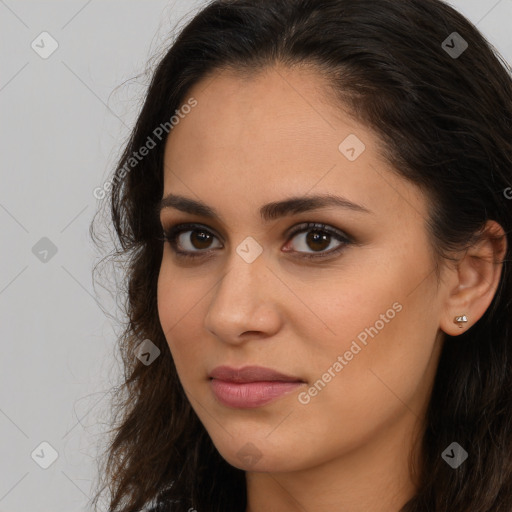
(250,374)
(250,386)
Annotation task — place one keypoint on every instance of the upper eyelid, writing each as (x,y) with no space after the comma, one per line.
(321,226)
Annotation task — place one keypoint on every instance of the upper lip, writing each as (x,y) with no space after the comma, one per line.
(250,374)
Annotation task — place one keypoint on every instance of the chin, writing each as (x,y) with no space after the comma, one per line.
(262,464)
(259,455)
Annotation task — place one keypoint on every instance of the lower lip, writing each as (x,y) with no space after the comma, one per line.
(250,394)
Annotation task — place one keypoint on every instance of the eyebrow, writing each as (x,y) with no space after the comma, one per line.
(269,211)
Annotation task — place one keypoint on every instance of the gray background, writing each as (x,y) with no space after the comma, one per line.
(64,120)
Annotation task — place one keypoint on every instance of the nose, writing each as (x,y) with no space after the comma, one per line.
(245,302)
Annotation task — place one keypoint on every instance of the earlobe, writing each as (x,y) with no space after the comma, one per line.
(461,320)
(476,278)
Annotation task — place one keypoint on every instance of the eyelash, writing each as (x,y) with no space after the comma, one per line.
(170,235)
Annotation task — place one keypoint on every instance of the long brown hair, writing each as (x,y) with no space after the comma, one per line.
(445,120)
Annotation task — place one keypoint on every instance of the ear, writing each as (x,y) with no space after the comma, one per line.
(474,279)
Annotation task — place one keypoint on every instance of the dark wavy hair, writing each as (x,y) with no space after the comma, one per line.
(445,124)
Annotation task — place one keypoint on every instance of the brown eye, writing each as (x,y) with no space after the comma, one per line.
(190,240)
(318,238)
(197,239)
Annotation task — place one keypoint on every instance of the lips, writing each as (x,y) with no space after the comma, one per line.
(251,386)
(250,374)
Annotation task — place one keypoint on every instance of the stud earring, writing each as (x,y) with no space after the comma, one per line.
(460,320)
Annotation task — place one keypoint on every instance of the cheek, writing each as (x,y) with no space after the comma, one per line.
(380,355)
(338,311)
(166,302)
(180,300)
(358,339)
(381,313)
(172,304)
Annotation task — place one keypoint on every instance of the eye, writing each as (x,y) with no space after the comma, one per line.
(185,238)
(318,237)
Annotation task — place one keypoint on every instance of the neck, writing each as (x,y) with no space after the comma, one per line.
(374,476)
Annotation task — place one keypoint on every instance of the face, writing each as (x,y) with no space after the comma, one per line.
(348,309)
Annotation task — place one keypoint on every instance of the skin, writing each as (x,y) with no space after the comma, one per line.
(348,448)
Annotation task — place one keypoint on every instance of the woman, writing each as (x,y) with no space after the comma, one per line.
(315,210)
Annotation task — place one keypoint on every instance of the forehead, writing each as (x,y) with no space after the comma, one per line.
(272,134)
(236,112)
